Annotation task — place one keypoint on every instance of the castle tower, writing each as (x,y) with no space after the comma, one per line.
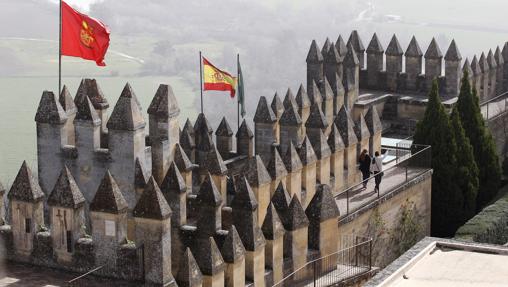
(413,64)
(303,103)
(69,107)
(67,214)
(333,67)
(375,128)
(163,129)
(296,236)
(351,78)
(153,231)
(433,63)
(126,128)
(276,169)
(244,207)
(175,192)
(314,65)
(357,44)
(483,93)
(466,68)
(327,105)
(209,202)
(363,135)
(233,253)
(202,138)
(188,274)
(224,138)
(265,128)
(215,166)
(244,140)
(187,141)
(273,231)
(375,63)
(477,75)
(346,128)
(504,52)
(278,109)
(309,161)
(260,181)
(51,137)
(337,157)
(108,214)
(492,75)
(393,54)
(453,72)
(184,165)
(500,71)
(27,210)
(294,167)
(89,88)
(323,214)
(290,127)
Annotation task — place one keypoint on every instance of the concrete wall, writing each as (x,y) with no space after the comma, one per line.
(380,219)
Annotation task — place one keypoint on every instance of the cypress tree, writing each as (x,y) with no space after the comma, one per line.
(466,172)
(484,147)
(447,198)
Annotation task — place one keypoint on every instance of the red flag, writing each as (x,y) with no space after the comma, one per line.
(83,36)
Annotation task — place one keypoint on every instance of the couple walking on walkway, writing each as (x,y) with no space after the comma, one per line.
(371,165)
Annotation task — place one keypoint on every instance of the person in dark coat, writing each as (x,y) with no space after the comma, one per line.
(364,161)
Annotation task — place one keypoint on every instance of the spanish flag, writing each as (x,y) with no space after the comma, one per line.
(217,80)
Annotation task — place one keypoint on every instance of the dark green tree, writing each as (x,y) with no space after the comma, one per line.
(484,147)
(447,198)
(466,172)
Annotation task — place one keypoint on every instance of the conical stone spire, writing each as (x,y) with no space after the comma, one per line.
(232,249)
(173,181)
(491,60)
(108,197)
(315,94)
(375,46)
(164,104)
(256,172)
(66,192)
(25,186)
(346,127)
(341,46)
(373,121)
(302,99)
(355,41)
(295,217)
(326,47)
(280,199)
(188,127)
(126,114)
(181,159)
(140,174)
(394,48)
(289,99)
(499,56)
(433,52)
(152,204)
(264,113)
(335,141)
(351,59)
(484,65)
(333,56)
(322,206)
(50,111)
(453,53)
(314,54)
(224,130)
(467,67)
(214,163)
(188,274)
(290,117)
(244,197)
(89,88)
(208,256)
(475,66)
(244,131)
(413,49)
(86,111)
(292,159)
(272,225)
(316,118)
(202,125)
(66,101)
(276,167)
(277,106)
(208,194)
(306,152)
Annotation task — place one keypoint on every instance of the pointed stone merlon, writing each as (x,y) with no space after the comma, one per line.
(52,135)
(433,63)
(294,168)
(67,213)
(224,138)
(346,126)
(233,253)
(492,74)
(27,211)
(375,129)
(163,129)
(290,127)
(453,70)
(2,207)
(323,214)
(276,168)
(296,225)
(152,215)
(309,161)
(414,63)
(504,55)
(500,71)
(273,230)
(375,55)
(337,157)
(483,92)
(265,128)
(333,68)
(477,74)
(209,202)
(214,165)
(357,44)
(351,77)
(394,55)
(189,274)
(314,64)
(68,105)
(303,103)
(91,89)
(277,108)
(245,140)
(260,181)
(108,215)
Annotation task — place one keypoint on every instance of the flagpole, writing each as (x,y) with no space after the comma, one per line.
(238,97)
(201,79)
(60,50)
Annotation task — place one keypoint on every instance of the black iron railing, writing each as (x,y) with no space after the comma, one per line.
(352,260)
(411,166)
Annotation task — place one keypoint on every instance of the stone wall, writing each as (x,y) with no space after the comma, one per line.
(382,220)
(499,128)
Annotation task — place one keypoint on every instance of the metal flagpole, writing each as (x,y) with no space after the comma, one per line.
(237,82)
(60,51)
(201,78)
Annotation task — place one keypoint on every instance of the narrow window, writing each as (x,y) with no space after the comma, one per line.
(28,225)
(69,241)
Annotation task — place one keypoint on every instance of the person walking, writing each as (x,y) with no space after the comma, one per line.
(376,168)
(364,161)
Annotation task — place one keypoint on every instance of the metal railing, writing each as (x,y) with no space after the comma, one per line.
(408,168)
(354,259)
(493,107)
